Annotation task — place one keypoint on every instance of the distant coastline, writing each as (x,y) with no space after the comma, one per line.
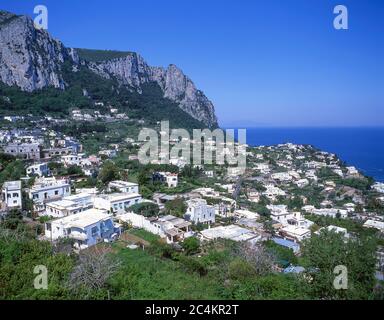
(362,147)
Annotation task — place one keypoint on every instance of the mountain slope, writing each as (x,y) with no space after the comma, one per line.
(32,60)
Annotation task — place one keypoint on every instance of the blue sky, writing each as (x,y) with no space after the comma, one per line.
(262,63)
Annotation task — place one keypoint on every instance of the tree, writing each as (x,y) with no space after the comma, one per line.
(146,209)
(240,269)
(108,172)
(258,257)
(176,207)
(93,270)
(328,250)
(191,245)
(12,220)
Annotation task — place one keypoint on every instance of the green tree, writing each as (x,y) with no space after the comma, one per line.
(108,172)
(146,209)
(328,250)
(191,245)
(176,207)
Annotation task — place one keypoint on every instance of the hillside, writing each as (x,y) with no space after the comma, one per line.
(40,75)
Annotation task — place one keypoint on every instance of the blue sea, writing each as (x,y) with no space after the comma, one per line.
(360,147)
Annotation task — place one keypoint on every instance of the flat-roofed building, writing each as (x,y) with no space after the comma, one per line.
(87,228)
(24,150)
(48,189)
(40,169)
(69,205)
(11,195)
(124,186)
(199,211)
(117,203)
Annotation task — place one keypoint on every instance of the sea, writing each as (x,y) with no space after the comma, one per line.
(359,147)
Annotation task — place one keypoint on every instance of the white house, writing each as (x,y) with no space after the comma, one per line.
(331,212)
(199,212)
(117,202)
(232,232)
(263,168)
(335,229)
(295,232)
(281,176)
(279,213)
(302,183)
(170,227)
(87,228)
(124,186)
(272,192)
(11,194)
(69,205)
(209,173)
(48,189)
(246,214)
(352,171)
(40,170)
(71,160)
(379,187)
(171,179)
(379,225)
(297,219)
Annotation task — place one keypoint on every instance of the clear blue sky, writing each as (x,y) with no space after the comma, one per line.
(262,63)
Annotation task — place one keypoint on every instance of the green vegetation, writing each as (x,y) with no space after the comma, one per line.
(146,209)
(328,250)
(176,207)
(11,170)
(101,55)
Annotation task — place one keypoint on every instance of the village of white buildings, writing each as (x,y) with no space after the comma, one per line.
(283,194)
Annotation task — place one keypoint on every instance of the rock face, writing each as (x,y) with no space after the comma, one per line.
(132,70)
(31,59)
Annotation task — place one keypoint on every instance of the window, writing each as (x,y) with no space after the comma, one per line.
(94,231)
(56,193)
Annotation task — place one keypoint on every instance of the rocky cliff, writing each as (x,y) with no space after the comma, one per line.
(31,59)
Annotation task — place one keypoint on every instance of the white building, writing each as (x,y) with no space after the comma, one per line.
(272,192)
(332,212)
(87,228)
(279,213)
(171,179)
(297,219)
(209,173)
(124,186)
(295,232)
(11,194)
(379,225)
(69,205)
(352,171)
(246,214)
(40,170)
(281,176)
(302,183)
(48,189)
(71,160)
(117,203)
(262,167)
(335,229)
(199,212)
(172,228)
(379,187)
(231,232)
